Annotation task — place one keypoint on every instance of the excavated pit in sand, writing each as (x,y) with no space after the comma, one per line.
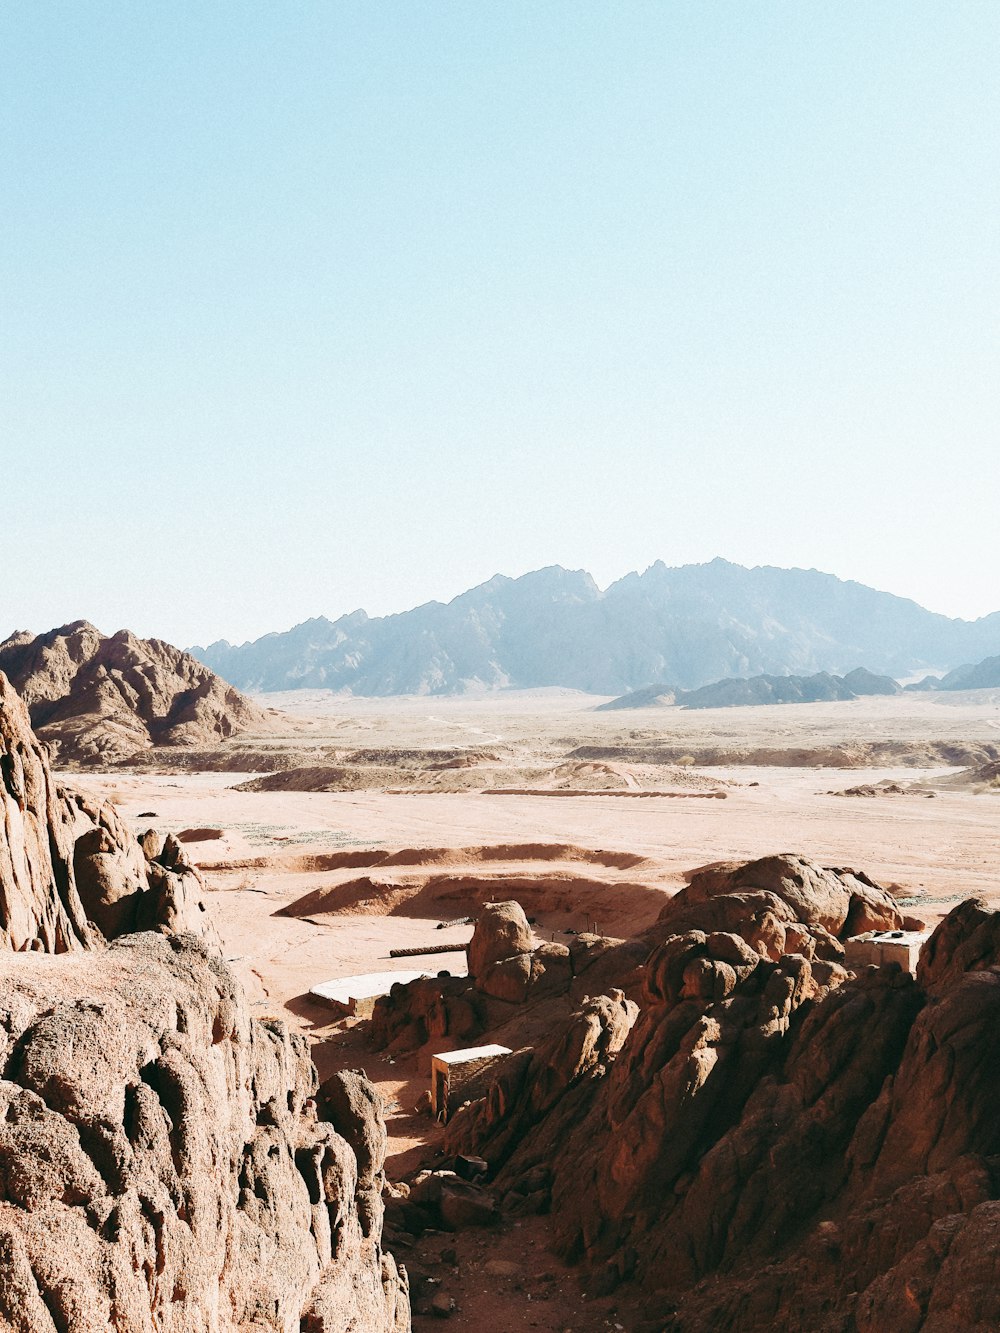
(441,883)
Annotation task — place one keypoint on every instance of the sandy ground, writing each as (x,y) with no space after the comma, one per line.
(379,870)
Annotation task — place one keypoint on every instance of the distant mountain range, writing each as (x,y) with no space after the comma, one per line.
(689,625)
(740,693)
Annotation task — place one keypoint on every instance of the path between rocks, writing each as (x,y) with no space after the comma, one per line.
(484,1280)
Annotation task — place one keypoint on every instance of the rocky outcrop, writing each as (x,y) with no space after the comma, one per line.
(39,905)
(162,1161)
(71,873)
(162,1165)
(780,904)
(773,1142)
(99,700)
(515,990)
(539,1096)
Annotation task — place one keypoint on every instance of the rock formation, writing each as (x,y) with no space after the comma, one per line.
(771,1142)
(163,1161)
(71,873)
(162,1165)
(780,904)
(516,988)
(102,700)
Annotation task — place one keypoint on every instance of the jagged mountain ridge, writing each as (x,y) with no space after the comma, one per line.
(690,625)
(105,698)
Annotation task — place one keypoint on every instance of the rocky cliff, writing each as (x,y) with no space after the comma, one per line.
(771,1142)
(162,1165)
(101,700)
(167,1162)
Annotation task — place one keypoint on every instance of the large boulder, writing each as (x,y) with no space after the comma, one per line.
(967,940)
(161,1161)
(546,970)
(502,931)
(774,893)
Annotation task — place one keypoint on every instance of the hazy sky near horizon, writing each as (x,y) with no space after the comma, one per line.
(306,307)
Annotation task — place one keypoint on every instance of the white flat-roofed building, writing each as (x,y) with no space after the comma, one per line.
(454,1075)
(885,946)
(356,995)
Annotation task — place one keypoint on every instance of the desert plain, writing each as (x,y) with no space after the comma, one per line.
(590,819)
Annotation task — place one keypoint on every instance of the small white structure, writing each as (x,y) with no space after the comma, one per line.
(357,995)
(885,946)
(454,1073)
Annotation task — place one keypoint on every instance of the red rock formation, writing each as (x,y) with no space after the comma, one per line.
(102,700)
(776,1144)
(515,989)
(780,904)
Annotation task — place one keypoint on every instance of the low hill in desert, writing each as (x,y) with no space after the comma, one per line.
(102,700)
(740,693)
(555,627)
(983,675)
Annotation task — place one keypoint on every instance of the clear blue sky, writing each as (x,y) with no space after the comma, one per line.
(311,306)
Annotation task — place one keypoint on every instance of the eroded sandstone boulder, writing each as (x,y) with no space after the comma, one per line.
(71,873)
(780,905)
(502,932)
(162,1165)
(967,940)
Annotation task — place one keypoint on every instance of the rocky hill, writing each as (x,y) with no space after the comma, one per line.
(555,627)
(101,700)
(166,1161)
(742,693)
(766,1140)
(983,675)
